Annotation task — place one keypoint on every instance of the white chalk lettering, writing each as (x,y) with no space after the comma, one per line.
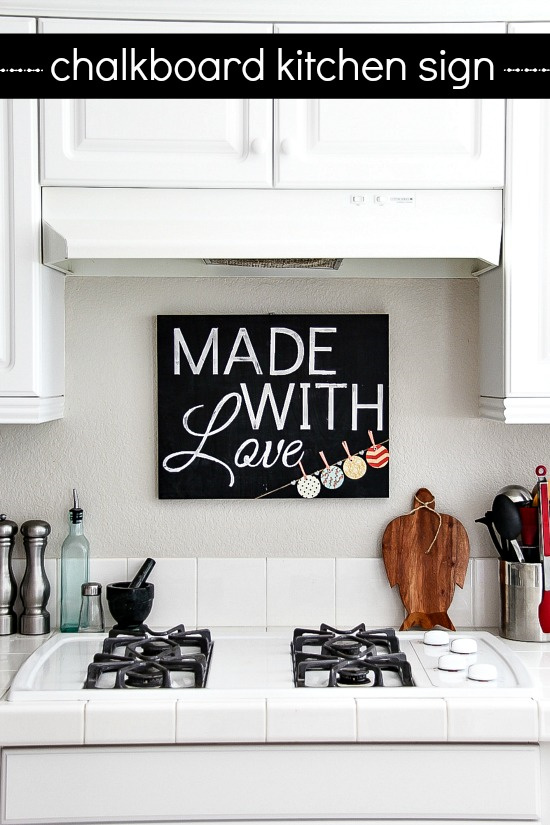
(313,348)
(267,394)
(305,407)
(181,344)
(273,348)
(355,406)
(243,336)
(330,400)
(196,453)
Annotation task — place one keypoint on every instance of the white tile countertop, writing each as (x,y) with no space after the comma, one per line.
(292,716)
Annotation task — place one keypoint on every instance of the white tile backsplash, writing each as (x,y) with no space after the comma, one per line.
(461,611)
(231,592)
(278,592)
(300,592)
(363,594)
(486,592)
(108,571)
(175,582)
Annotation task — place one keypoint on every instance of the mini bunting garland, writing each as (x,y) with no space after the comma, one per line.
(306,482)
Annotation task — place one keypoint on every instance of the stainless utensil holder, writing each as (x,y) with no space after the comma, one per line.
(521,588)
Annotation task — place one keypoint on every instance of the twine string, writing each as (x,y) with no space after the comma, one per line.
(426,506)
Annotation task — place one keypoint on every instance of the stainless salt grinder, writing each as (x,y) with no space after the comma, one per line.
(35,587)
(8,587)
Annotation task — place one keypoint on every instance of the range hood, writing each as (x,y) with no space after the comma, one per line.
(382,233)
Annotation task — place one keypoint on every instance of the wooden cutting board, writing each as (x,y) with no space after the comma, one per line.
(426,577)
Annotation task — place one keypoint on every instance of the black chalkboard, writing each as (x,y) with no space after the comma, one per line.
(242,399)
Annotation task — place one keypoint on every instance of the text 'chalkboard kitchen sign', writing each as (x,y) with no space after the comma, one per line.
(266,406)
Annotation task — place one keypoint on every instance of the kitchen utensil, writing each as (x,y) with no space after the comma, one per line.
(544,547)
(426,553)
(129,606)
(487,520)
(35,587)
(507,521)
(516,493)
(141,575)
(8,587)
(529,523)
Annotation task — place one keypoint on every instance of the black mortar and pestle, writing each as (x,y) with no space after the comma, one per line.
(131,602)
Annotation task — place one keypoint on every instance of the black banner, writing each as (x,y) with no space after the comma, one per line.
(275,66)
(285,406)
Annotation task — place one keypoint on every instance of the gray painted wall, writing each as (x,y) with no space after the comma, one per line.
(106,444)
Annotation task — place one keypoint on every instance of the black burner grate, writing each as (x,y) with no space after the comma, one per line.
(143,658)
(348,657)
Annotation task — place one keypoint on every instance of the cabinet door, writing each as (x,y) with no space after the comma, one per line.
(31,296)
(390,143)
(527,242)
(181,142)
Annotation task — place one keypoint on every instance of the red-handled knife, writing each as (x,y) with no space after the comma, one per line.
(544,545)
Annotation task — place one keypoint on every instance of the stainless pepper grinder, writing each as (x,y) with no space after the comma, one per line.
(8,587)
(35,587)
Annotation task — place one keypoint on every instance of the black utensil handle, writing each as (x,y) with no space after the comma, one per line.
(142,573)
(487,520)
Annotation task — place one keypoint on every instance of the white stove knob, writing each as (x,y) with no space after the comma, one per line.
(464,646)
(452,661)
(482,672)
(436,637)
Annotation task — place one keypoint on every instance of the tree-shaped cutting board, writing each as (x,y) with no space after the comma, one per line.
(426,554)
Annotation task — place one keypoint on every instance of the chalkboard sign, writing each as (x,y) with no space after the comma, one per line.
(266,406)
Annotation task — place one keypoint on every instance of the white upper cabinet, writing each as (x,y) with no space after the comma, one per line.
(181,142)
(31,296)
(515,301)
(389,143)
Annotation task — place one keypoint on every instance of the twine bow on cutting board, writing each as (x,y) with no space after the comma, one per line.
(426,554)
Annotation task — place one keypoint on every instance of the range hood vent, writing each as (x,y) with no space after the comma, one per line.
(277,263)
(162,232)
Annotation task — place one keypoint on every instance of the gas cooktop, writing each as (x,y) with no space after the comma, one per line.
(272,663)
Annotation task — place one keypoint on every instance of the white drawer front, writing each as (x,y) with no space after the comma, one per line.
(183,784)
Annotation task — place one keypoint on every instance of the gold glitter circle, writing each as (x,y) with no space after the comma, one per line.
(355,467)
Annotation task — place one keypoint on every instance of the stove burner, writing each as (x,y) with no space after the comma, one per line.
(155,647)
(152,659)
(147,675)
(347,657)
(356,673)
(350,647)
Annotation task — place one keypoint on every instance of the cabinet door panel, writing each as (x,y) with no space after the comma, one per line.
(31,297)
(258,783)
(390,143)
(527,249)
(180,142)
(527,242)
